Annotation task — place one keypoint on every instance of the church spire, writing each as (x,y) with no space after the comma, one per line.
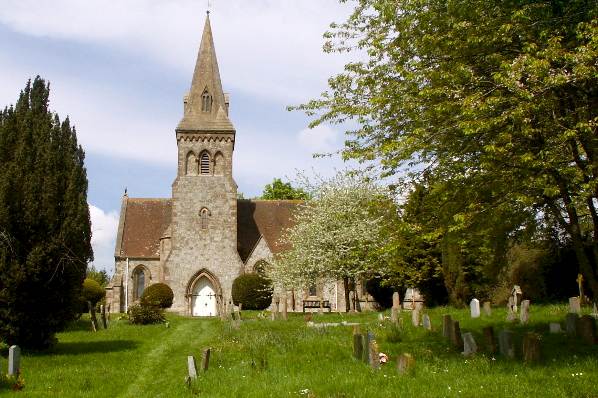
(205,105)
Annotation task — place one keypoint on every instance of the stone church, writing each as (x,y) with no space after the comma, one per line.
(203,237)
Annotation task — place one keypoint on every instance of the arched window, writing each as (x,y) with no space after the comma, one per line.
(204,215)
(204,163)
(206,101)
(138,282)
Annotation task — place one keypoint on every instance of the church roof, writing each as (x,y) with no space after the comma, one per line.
(267,218)
(142,223)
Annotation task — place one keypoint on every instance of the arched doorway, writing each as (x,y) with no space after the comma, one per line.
(203,298)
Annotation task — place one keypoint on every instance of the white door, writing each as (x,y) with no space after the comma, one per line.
(204,299)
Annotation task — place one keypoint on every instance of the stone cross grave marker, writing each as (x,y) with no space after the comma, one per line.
(205,359)
(571,323)
(531,347)
(469,345)
(14,360)
(405,364)
(447,325)
(489,339)
(191,370)
(580,287)
(456,337)
(426,322)
(487,308)
(474,308)
(555,327)
(574,305)
(524,315)
(587,329)
(505,343)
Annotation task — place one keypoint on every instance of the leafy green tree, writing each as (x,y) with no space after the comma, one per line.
(282,190)
(498,97)
(45,236)
(100,276)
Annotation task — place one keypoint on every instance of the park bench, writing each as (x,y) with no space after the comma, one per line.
(316,304)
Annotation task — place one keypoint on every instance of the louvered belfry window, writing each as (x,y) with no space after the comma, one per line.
(204,163)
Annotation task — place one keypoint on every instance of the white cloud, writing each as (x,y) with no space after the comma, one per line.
(320,139)
(104,226)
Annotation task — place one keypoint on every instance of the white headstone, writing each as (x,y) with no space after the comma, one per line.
(426,322)
(14,360)
(192,371)
(474,307)
(524,315)
(380,317)
(574,306)
(555,327)
(469,345)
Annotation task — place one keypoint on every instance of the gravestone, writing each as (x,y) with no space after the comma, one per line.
(426,322)
(103,313)
(205,359)
(516,293)
(574,305)
(524,315)
(474,308)
(381,317)
(510,314)
(586,329)
(489,339)
(413,299)
(394,315)
(357,346)
(415,317)
(571,323)
(595,311)
(555,327)
(531,347)
(14,360)
(374,355)
(405,364)
(92,316)
(505,343)
(469,345)
(456,337)
(191,370)
(447,325)
(487,308)
(396,300)
(368,338)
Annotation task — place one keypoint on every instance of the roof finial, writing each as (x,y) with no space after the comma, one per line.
(208,10)
(126,192)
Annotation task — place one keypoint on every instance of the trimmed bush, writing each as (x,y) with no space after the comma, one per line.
(253,291)
(157,295)
(145,315)
(92,291)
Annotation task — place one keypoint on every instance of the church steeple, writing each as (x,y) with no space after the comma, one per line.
(206,105)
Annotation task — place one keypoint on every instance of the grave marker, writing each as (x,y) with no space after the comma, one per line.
(405,364)
(489,339)
(456,337)
(205,359)
(368,338)
(469,345)
(516,293)
(531,347)
(447,325)
(396,300)
(595,311)
(505,343)
(357,346)
(415,317)
(103,313)
(487,308)
(394,315)
(191,370)
(555,327)
(374,354)
(587,329)
(474,308)
(574,306)
(14,360)
(571,323)
(524,315)
(426,322)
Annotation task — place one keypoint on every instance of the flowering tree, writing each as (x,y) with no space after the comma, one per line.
(338,234)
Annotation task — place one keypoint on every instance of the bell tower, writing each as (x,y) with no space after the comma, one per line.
(204,194)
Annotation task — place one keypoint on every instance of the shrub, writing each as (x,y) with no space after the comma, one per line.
(92,291)
(145,315)
(158,295)
(253,291)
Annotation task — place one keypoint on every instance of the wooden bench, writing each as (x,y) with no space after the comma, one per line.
(316,304)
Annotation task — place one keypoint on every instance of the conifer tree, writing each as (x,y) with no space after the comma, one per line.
(45,234)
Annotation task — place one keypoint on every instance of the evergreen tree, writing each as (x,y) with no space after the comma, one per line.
(45,234)
(279,190)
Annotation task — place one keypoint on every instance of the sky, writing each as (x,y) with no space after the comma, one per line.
(120,69)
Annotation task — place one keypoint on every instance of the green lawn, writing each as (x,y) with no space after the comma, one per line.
(278,359)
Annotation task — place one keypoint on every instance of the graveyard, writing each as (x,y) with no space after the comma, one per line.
(314,356)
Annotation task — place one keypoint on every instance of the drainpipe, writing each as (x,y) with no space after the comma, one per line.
(127,286)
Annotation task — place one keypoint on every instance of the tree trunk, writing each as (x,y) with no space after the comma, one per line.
(346,288)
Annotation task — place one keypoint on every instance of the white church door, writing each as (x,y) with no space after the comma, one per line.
(204,299)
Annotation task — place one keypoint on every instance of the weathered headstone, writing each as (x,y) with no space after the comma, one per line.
(489,339)
(374,355)
(456,337)
(474,308)
(487,308)
(531,347)
(92,316)
(381,317)
(368,338)
(505,343)
(447,325)
(103,313)
(574,305)
(413,299)
(357,346)
(586,329)
(14,360)
(205,359)
(555,327)
(571,323)
(426,322)
(394,315)
(415,317)
(396,300)
(469,345)
(405,364)
(524,315)
(191,370)
(510,313)
(516,293)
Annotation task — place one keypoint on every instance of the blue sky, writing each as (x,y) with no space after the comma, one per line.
(120,70)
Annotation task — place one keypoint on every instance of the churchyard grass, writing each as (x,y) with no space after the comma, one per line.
(264,358)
